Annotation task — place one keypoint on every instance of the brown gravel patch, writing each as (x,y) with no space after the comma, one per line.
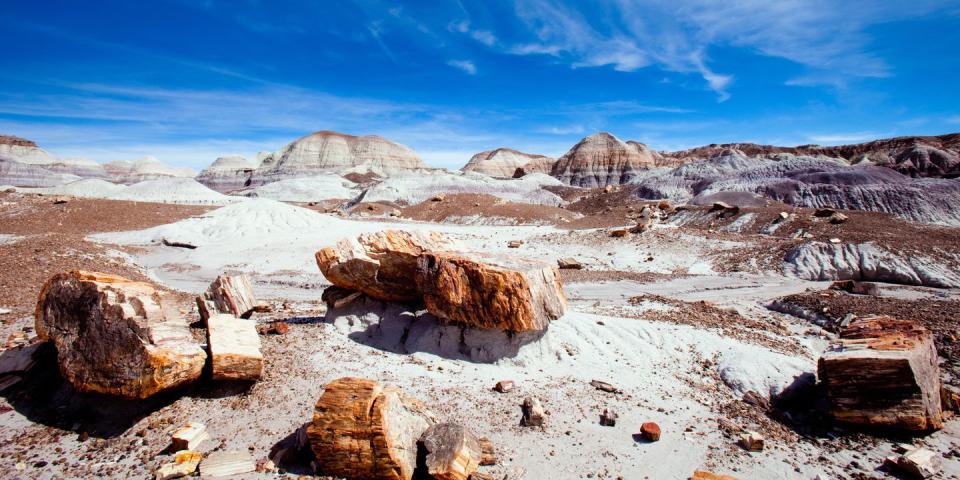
(594,276)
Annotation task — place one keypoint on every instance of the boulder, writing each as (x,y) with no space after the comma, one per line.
(883,372)
(234,348)
(117,336)
(491,291)
(383,264)
(363,430)
(229,294)
(452,451)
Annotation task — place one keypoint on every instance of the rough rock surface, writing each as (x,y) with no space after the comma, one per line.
(363,430)
(491,291)
(227,174)
(229,294)
(116,336)
(866,261)
(503,162)
(382,264)
(603,159)
(452,451)
(26,175)
(328,151)
(883,372)
(234,348)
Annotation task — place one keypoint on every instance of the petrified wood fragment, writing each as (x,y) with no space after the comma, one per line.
(381,264)
(234,348)
(363,430)
(452,451)
(883,373)
(230,294)
(491,291)
(116,336)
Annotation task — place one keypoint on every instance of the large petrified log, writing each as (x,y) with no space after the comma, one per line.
(883,373)
(381,264)
(230,294)
(452,451)
(116,336)
(363,430)
(234,348)
(491,291)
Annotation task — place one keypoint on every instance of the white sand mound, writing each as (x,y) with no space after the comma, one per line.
(165,190)
(307,189)
(413,188)
(91,188)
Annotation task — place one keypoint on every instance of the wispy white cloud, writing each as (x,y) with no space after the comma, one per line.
(483,36)
(465,65)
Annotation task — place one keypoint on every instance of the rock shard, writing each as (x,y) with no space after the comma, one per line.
(883,372)
(452,451)
(491,291)
(382,264)
(533,412)
(363,430)
(117,336)
(229,294)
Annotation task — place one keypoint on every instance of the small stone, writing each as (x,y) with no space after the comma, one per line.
(569,264)
(751,441)
(189,437)
(783,216)
(438,197)
(650,431)
(824,212)
(488,454)
(608,418)
(504,386)
(834,241)
(273,328)
(918,464)
(184,463)
(838,218)
(532,412)
(705,475)
(620,232)
(604,386)
(514,243)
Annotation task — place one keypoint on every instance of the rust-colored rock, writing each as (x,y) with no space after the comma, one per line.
(883,372)
(234,348)
(381,264)
(363,430)
(488,453)
(117,336)
(705,475)
(452,451)
(491,291)
(230,294)
(650,431)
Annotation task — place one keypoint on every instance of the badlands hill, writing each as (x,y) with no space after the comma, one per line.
(504,162)
(320,153)
(603,159)
(129,172)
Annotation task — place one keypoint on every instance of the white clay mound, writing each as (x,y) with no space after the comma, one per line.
(307,189)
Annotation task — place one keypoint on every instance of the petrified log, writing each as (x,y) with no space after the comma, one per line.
(883,372)
(227,463)
(228,294)
(234,348)
(453,452)
(491,291)
(569,264)
(116,336)
(362,430)
(381,264)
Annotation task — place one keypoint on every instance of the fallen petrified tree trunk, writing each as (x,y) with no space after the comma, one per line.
(116,336)
(491,291)
(228,294)
(381,264)
(363,430)
(883,373)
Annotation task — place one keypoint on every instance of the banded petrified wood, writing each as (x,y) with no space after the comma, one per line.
(363,430)
(117,336)
(230,294)
(883,372)
(452,451)
(491,291)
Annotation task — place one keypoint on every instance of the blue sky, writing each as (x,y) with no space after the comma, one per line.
(187,81)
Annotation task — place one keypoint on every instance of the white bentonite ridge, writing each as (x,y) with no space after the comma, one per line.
(147,168)
(307,189)
(164,190)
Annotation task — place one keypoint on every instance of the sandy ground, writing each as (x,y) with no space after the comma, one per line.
(657,315)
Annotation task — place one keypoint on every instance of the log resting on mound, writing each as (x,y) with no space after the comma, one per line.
(363,430)
(381,264)
(117,336)
(883,373)
(491,291)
